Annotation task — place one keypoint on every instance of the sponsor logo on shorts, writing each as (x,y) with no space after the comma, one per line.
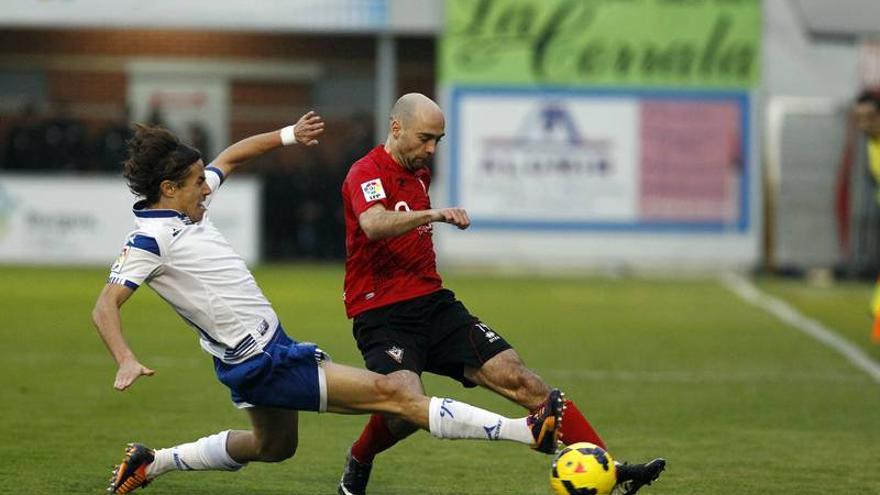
(396,353)
(490,334)
(373,190)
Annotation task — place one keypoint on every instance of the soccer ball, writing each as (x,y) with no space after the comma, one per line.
(583,469)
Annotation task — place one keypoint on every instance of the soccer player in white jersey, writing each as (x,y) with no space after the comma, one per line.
(177,251)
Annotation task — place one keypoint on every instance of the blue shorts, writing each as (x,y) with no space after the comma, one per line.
(286,374)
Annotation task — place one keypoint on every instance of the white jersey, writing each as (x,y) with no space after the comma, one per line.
(193,267)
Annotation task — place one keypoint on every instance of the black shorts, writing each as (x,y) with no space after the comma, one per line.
(433,333)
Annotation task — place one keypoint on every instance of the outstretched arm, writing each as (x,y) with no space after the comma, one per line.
(305,131)
(106,319)
(379,223)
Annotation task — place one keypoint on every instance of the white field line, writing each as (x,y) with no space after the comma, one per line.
(708,377)
(790,316)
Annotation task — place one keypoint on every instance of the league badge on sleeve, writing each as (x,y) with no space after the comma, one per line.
(373,190)
(120,260)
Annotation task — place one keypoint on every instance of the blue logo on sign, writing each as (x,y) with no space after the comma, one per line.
(548,143)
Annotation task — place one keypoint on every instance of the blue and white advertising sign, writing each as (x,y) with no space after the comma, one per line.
(601,160)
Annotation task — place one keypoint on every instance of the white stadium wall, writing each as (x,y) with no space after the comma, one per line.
(84,220)
(355,16)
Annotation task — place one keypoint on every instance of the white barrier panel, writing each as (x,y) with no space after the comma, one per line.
(84,220)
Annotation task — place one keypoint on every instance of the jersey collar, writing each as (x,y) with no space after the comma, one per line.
(140,210)
(385,159)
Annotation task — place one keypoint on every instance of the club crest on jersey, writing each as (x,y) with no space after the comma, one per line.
(396,353)
(373,190)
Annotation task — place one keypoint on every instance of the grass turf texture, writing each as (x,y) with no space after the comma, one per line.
(737,402)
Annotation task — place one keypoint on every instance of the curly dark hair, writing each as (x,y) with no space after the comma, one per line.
(155,155)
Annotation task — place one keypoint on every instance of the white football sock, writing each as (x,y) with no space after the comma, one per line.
(453,420)
(206,453)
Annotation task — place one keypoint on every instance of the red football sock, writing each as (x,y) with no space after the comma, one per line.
(375,438)
(576,428)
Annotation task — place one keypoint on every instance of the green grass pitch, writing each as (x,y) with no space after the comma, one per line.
(736,401)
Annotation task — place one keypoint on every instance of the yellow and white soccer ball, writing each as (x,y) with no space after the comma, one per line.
(583,469)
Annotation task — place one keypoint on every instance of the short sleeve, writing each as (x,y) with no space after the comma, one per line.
(365,188)
(215,178)
(139,260)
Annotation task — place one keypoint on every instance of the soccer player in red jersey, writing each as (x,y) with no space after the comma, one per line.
(405,322)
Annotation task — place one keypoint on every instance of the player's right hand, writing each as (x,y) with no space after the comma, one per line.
(456,216)
(128,372)
(308,128)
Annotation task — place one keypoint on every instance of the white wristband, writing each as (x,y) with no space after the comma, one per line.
(287,136)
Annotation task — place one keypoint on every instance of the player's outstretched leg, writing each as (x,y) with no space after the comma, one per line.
(546,422)
(631,477)
(131,473)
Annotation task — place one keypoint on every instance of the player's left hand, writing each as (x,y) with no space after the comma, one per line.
(128,372)
(308,128)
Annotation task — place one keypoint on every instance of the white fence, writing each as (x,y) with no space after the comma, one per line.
(84,220)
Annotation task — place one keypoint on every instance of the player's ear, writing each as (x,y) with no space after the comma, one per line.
(168,188)
(395,128)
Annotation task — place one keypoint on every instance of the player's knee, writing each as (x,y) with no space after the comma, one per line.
(396,393)
(385,388)
(391,389)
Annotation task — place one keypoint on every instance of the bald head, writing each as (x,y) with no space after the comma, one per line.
(413,107)
(416,127)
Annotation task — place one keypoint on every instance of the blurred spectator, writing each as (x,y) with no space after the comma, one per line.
(296,222)
(110,146)
(23,142)
(359,137)
(303,216)
(867,119)
(155,117)
(64,140)
(197,137)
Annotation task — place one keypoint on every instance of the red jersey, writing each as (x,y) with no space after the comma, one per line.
(382,272)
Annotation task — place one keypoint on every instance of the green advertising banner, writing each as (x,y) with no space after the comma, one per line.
(647,43)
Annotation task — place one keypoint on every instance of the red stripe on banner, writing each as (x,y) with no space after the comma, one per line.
(842,189)
(691,165)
